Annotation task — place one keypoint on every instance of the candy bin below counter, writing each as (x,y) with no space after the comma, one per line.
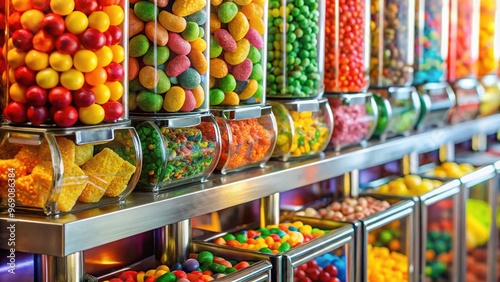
(398,111)
(490,101)
(248,137)
(383,230)
(298,247)
(67,170)
(304,127)
(177,150)
(66,63)
(438,223)
(355,118)
(436,100)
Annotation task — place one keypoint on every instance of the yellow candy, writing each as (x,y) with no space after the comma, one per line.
(76,22)
(17,93)
(104,56)
(60,62)
(47,78)
(239,26)
(241,53)
(115,14)
(118,53)
(21,5)
(85,61)
(62,7)
(174,99)
(72,79)
(231,99)
(15,58)
(249,89)
(36,60)
(93,114)
(184,8)
(116,90)
(31,20)
(102,93)
(99,20)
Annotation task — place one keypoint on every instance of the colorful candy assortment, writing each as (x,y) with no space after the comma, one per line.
(346,70)
(388,237)
(245,143)
(327,267)
(430,62)
(273,239)
(438,255)
(200,267)
(353,122)
(173,156)
(294,67)
(167,56)
(64,59)
(384,265)
(236,59)
(390,49)
(402,116)
(463,51)
(488,60)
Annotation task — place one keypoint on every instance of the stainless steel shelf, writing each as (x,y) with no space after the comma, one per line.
(142,211)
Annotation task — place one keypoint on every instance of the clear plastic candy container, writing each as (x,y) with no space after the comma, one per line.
(436,100)
(68,171)
(355,118)
(295,49)
(67,63)
(490,101)
(304,128)
(399,110)
(248,137)
(347,40)
(468,100)
(463,52)
(392,30)
(431,41)
(168,56)
(489,28)
(237,52)
(177,151)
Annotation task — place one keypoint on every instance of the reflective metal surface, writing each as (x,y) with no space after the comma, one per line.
(68,268)
(270,210)
(141,211)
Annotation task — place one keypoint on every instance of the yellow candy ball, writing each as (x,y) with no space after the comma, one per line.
(17,93)
(31,20)
(115,14)
(118,53)
(76,22)
(72,79)
(16,58)
(104,56)
(37,60)
(47,78)
(93,114)
(99,20)
(60,62)
(21,5)
(102,93)
(62,7)
(85,61)
(116,90)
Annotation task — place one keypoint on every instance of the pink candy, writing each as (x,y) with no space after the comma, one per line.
(177,44)
(352,124)
(242,71)
(255,39)
(225,40)
(177,65)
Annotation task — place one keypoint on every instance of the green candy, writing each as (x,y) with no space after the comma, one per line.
(205,257)
(149,101)
(266,251)
(228,237)
(285,246)
(167,277)
(191,32)
(241,238)
(199,17)
(228,83)
(215,48)
(156,56)
(201,32)
(189,79)
(163,83)
(146,11)
(216,96)
(135,85)
(254,55)
(217,268)
(138,46)
(227,11)
(230,270)
(257,72)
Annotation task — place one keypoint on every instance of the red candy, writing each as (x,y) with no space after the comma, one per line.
(344,65)
(225,40)
(254,38)
(177,65)
(177,44)
(242,71)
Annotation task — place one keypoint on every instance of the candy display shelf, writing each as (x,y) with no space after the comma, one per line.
(143,211)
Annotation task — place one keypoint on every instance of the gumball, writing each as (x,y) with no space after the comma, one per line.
(36,96)
(15,112)
(60,97)
(37,115)
(93,114)
(83,97)
(16,58)
(102,93)
(24,76)
(116,89)
(47,78)
(96,77)
(85,61)
(115,14)
(104,56)
(22,39)
(86,6)
(115,72)
(32,20)
(113,110)
(21,5)
(99,20)
(72,79)
(60,62)
(62,7)
(41,5)
(115,34)
(93,39)
(17,93)
(76,22)
(65,117)
(68,43)
(118,53)
(14,21)
(53,25)
(43,42)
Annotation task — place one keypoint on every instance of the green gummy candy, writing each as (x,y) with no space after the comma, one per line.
(138,45)
(228,83)
(156,56)
(163,83)
(216,96)
(201,32)
(215,48)
(257,72)
(191,32)
(254,55)
(149,102)
(145,11)
(189,79)
(227,11)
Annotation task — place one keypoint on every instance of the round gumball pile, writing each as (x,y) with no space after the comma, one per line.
(349,209)
(273,239)
(236,43)
(384,265)
(409,185)
(293,67)
(167,55)
(345,69)
(200,267)
(64,60)
(452,170)
(313,271)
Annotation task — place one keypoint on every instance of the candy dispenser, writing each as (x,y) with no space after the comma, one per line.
(398,111)
(392,29)
(168,58)
(68,170)
(238,53)
(489,28)
(66,63)
(355,118)
(438,223)
(177,151)
(248,137)
(490,100)
(297,243)
(468,93)
(304,128)
(436,100)
(347,38)
(295,62)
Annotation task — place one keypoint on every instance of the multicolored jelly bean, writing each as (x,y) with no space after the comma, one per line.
(237,52)
(168,56)
(294,67)
(488,60)
(463,52)
(392,30)
(346,60)
(431,30)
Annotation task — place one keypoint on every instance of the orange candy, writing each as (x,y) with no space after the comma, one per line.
(96,77)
